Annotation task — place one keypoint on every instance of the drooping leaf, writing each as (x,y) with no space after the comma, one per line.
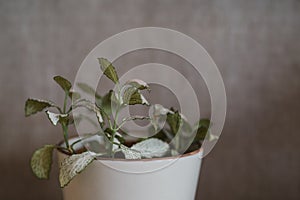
(130,153)
(138,84)
(138,98)
(63,83)
(73,165)
(41,161)
(91,107)
(126,93)
(108,69)
(130,94)
(88,89)
(151,148)
(174,120)
(33,106)
(55,118)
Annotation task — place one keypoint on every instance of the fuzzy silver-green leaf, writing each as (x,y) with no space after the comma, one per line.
(73,165)
(151,148)
(130,153)
(41,161)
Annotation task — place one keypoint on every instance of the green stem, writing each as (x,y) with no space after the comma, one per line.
(65,102)
(66,137)
(114,130)
(112,143)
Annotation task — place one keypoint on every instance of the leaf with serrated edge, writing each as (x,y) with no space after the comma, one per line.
(33,106)
(137,83)
(73,165)
(55,118)
(130,153)
(126,93)
(108,69)
(63,83)
(152,148)
(99,116)
(138,98)
(41,161)
(92,107)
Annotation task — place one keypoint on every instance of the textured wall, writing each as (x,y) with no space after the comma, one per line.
(254,43)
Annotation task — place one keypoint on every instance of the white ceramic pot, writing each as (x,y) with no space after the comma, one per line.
(170,178)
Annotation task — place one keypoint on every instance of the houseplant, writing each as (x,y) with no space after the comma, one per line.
(140,164)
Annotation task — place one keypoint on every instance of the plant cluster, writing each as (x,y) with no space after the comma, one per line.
(171,139)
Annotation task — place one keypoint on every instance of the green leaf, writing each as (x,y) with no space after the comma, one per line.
(138,84)
(138,98)
(202,129)
(106,102)
(151,148)
(108,69)
(132,96)
(130,92)
(99,116)
(92,107)
(73,165)
(33,106)
(55,118)
(120,138)
(88,89)
(64,83)
(41,161)
(127,93)
(174,120)
(158,116)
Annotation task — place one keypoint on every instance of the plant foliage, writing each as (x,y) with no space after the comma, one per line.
(167,141)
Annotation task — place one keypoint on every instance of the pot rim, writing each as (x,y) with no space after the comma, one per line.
(200,150)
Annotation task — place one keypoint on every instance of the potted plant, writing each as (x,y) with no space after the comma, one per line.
(107,164)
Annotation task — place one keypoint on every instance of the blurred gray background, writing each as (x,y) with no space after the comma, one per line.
(254,43)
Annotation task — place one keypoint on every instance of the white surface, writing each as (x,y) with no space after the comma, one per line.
(100,182)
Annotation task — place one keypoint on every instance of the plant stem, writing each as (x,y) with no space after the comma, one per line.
(66,137)
(65,124)
(114,130)
(65,102)
(112,143)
